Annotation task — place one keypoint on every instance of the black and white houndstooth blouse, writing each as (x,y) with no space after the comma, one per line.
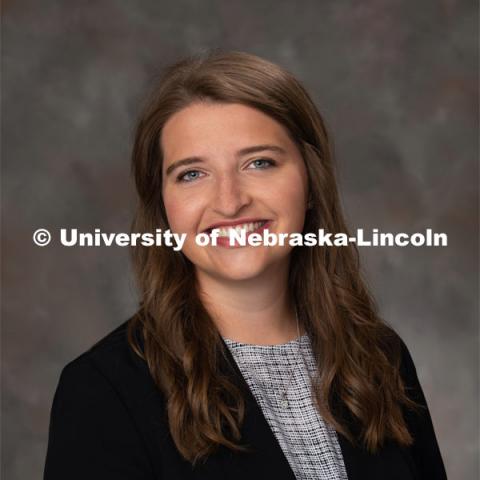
(279,379)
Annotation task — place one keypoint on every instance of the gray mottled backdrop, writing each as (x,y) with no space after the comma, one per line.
(396,82)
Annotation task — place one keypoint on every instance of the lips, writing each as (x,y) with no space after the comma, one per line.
(243,227)
(244,223)
(223,239)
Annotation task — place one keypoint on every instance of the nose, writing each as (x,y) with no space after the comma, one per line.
(230,196)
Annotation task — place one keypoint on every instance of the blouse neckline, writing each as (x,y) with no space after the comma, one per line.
(277,346)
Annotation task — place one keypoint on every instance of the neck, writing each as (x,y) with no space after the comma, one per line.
(257,310)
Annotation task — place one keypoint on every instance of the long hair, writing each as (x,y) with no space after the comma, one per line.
(357,354)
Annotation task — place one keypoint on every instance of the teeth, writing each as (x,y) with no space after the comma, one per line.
(248,227)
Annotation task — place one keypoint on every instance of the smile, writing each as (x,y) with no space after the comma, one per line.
(244,227)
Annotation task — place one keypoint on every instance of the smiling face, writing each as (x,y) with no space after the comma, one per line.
(232,165)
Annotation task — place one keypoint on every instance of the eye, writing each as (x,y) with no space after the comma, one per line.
(188,176)
(261,163)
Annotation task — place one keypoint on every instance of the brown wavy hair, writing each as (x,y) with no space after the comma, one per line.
(358,355)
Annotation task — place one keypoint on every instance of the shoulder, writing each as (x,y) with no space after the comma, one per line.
(94,421)
(109,365)
(112,348)
(425,449)
(398,352)
(113,343)
(408,372)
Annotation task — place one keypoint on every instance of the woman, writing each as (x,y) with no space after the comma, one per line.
(242,362)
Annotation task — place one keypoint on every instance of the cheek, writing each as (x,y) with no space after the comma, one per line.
(291,194)
(174,210)
(291,198)
(182,215)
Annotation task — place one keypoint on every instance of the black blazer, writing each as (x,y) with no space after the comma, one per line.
(108,422)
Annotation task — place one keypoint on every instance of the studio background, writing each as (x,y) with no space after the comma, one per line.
(397,85)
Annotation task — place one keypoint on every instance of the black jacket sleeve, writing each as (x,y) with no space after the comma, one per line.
(425,450)
(91,434)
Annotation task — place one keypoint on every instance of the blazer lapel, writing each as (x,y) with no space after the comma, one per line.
(268,459)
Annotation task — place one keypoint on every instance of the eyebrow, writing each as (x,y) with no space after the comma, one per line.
(240,153)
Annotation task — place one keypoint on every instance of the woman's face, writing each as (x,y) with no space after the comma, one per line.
(242,168)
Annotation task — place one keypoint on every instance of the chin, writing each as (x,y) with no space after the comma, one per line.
(239,274)
(242,264)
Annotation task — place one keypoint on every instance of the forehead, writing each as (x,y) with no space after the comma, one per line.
(205,127)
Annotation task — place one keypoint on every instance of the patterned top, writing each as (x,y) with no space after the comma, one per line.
(279,378)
